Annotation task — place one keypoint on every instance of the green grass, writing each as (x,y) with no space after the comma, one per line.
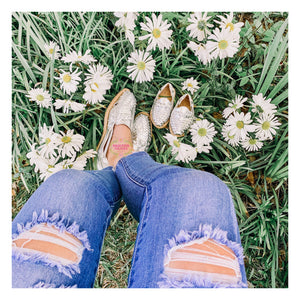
(258,180)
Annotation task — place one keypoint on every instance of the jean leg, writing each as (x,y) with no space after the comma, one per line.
(179,208)
(58,234)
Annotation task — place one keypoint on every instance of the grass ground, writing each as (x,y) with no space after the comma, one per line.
(258,180)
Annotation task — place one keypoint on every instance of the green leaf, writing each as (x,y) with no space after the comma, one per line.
(24,62)
(272,53)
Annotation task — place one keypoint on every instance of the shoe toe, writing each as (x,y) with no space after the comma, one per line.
(141,132)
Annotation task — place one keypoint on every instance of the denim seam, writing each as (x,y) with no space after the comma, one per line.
(233,215)
(130,176)
(105,226)
(142,222)
(138,238)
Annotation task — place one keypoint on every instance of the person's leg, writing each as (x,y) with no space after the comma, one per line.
(188,234)
(58,234)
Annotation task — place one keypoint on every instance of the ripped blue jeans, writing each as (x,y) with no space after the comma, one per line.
(187,235)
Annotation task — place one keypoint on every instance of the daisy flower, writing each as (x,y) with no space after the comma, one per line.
(203,148)
(142,66)
(125,18)
(234,106)
(127,23)
(129,34)
(80,162)
(265,129)
(199,28)
(191,85)
(40,96)
(200,51)
(183,152)
(69,81)
(50,167)
(69,105)
(227,22)
(251,144)
(35,158)
(231,139)
(48,141)
(261,105)
(158,33)
(222,44)
(202,132)
(93,93)
(98,81)
(239,124)
(69,143)
(74,57)
(52,50)
(101,75)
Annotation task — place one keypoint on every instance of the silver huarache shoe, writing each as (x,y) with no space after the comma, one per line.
(182,116)
(141,132)
(162,106)
(121,110)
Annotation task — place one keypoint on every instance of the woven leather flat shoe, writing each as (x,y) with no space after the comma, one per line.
(162,106)
(141,132)
(182,116)
(121,110)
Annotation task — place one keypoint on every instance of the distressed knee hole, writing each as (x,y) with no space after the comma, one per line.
(202,258)
(62,247)
(50,241)
(206,258)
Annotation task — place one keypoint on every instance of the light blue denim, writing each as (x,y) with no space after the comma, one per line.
(173,205)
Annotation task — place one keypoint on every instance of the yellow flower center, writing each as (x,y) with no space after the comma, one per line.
(189,85)
(67,78)
(230,136)
(141,65)
(240,124)
(252,141)
(230,25)
(202,132)
(47,141)
(223,44)
(156,33)
(266,125)
(97,86)
(51,50)
(66,139)
(40,97)
(176,143)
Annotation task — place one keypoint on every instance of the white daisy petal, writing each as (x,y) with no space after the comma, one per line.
(265,128)
(181,151)
(159,34)
(40,96)
(143,66)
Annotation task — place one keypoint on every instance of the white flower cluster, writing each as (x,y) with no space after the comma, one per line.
(222,42)
(126,23)
(239,128)
(57,151)
(202,134)
(248,129)
(98,80)
(141,63)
